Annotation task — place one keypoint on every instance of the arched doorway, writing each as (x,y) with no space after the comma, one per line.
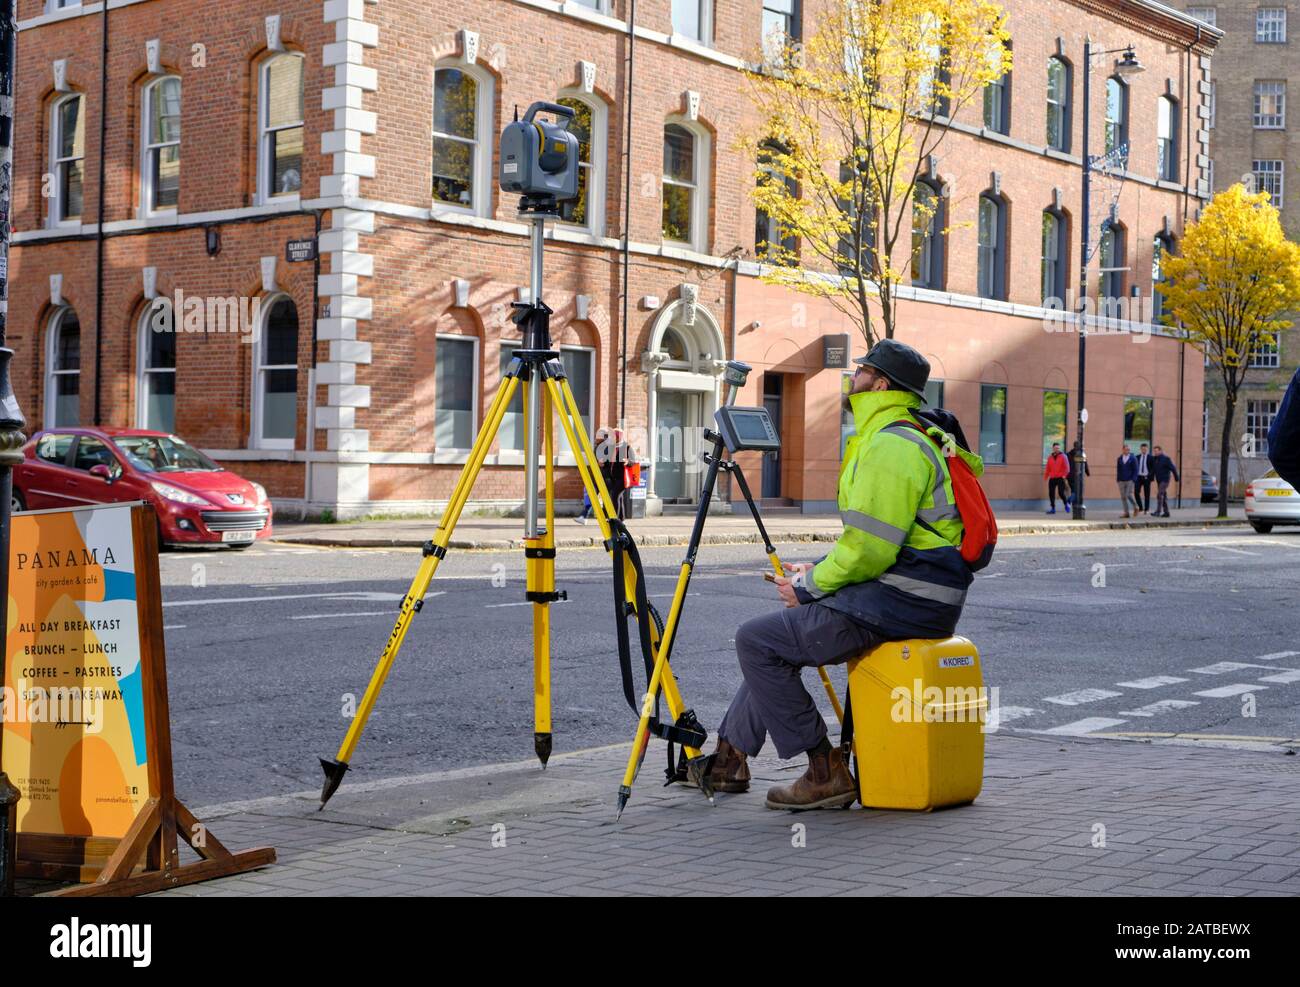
(683,363)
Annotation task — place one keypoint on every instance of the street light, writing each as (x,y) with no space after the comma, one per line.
(1125,66)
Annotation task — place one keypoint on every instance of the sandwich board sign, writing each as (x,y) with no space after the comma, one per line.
(87,737)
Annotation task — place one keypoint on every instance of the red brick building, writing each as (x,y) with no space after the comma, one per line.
(234,126)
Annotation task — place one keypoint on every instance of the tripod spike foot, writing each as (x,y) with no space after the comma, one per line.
(334,772)
(542,745)
(698,770)
(624,793)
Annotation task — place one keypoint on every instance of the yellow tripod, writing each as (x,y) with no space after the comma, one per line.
(697,769)
(537,369)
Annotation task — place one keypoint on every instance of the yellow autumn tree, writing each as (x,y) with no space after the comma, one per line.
(848,121)
(1228,289)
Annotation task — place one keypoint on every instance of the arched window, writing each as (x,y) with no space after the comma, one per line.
(1116,114)
(156,380)
(992,273)
(859,203)
(1167,139)
(686,185)
(275,394)
(997,104)
(160,171)
(589,126)
(1112,253)
(63,370)
(280,115)
(462,138)
(928,222)
(1058,104)
(67,159)
(1055,252)
(455,392)
(1161,245)
(677,349)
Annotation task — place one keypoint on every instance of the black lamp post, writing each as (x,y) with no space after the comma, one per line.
(11,417)
(1124,66)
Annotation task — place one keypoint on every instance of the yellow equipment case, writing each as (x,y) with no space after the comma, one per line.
(918,710)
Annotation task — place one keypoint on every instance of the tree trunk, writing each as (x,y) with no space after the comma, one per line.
(1229,406)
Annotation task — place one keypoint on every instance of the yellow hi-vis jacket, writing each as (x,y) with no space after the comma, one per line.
(897,576)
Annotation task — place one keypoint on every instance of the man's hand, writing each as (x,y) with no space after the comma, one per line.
(804,567)
(786,590)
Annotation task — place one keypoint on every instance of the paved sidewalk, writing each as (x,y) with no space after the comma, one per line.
(1175,821)
(504,533)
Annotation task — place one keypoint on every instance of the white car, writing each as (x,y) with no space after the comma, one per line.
(1271,500)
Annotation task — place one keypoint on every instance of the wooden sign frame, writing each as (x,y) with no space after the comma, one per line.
(147,857)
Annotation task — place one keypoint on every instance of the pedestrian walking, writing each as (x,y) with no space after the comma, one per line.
(1142,482)
(1164,470)
(1125,474)
(1077,455)
(1055,473)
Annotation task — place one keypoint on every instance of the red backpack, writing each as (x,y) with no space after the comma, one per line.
(980,534)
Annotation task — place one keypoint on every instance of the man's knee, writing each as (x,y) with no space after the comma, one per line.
(755,638)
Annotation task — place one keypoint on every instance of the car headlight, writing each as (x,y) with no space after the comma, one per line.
(177,494)
(261,493)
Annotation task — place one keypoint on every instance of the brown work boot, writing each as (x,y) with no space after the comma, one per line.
(728,770)
(826,784)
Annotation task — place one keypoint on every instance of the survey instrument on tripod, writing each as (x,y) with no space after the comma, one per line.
(539,160)
(739,430)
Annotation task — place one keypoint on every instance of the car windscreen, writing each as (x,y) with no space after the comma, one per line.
(163,454)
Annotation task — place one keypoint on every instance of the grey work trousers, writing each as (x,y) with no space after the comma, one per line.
(773,651)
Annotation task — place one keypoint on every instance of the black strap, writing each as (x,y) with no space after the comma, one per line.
(686,731)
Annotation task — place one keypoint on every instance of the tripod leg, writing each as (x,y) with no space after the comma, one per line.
(780,571)
(414,599)
(540,559)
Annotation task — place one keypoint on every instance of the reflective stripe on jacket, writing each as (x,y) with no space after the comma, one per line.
(899,578)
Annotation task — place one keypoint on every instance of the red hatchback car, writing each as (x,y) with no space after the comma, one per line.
(197,501)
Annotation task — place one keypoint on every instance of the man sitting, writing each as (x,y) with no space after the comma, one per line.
(895,573)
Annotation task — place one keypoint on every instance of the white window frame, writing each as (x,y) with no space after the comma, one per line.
(597,168)
(265,194)
(143,370)
(55,218)
(147,149)
(1279,172)
(1270,358)
(485,100)
(706,24)
(51,392)
(1265,121)
(703,159)
(1260,415)
(567,458)
(1062,105)
(1266,20)
(1167,144)
(255,440)
(1206,15)
(475,401)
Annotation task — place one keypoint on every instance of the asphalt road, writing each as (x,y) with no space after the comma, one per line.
(1174,631)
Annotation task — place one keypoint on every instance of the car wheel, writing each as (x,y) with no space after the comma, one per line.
(16,502)
(1262,527)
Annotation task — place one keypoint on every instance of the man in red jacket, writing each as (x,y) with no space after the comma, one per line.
(1056,473)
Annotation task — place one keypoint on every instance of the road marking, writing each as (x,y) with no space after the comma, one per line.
(1283,678)
(1006,714)
(1276,655)
(1234,551)
(992,575)
(522,603)
(174,627)
(1080,728)
(1080,696)
(1218,668)
(1236,689)
(358,596)
(359,613)
(1163,706)
(1068,568)
(1153,682)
